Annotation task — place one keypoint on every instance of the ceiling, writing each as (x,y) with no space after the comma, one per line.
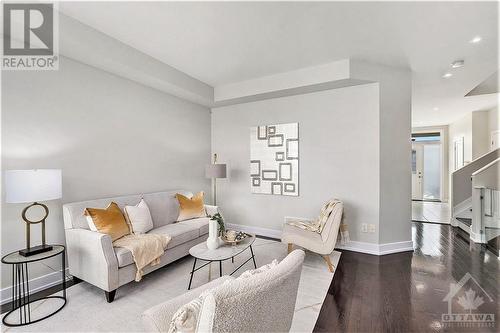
(227,42)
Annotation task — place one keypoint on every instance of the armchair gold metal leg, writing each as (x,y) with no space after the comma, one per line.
(290,247)
(329,263)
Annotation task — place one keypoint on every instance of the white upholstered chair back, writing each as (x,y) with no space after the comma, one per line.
(330,231)
(264,302)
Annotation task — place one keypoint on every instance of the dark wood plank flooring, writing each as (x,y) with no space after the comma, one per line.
(404,292)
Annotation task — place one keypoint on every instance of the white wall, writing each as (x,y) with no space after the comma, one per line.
(476,128)
(339,157)
(461,128)
(493,123)
(494,119)
(480,133)
(110,136)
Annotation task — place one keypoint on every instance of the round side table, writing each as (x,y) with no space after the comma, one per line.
(21,302)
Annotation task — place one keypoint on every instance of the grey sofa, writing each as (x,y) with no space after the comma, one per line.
(92,257)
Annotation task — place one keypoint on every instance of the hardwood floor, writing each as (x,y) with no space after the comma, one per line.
(428,211)
(404,292)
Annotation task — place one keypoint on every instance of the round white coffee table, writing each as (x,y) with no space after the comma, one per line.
(222,253)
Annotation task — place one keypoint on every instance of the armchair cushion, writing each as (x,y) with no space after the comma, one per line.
(307,239)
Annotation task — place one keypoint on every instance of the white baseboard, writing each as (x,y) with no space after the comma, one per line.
(477,238)
(37,284)
(369,248)
(378,249)
(273,233)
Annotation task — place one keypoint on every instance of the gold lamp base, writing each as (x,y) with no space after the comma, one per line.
(35,250)
(30,251)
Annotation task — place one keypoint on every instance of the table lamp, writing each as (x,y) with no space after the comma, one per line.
(215,171)
(32,186)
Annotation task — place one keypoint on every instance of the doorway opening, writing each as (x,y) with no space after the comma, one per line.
(427,166)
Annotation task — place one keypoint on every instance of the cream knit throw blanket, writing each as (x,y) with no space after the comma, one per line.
(146,249)
(318,224)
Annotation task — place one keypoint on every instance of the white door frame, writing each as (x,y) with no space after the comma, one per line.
(443,135)
(417,182)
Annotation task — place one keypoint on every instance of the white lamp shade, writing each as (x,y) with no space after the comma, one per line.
(23,186)
(215,171)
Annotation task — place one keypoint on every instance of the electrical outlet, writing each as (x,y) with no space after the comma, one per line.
(371,228)
(364,227)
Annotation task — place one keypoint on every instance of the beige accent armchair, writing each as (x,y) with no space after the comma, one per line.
(322,243)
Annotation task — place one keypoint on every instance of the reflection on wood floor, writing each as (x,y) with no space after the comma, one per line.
(404,292)
(428,211)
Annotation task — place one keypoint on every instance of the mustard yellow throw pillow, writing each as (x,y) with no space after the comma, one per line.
(109,221)
(191,208)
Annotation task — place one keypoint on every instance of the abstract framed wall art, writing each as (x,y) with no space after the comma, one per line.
(274,159)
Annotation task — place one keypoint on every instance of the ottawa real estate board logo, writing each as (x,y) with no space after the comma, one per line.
(30,36)
(469,306)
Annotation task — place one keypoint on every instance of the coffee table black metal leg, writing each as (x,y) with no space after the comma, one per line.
(253,257)
(192,272)
(220,268)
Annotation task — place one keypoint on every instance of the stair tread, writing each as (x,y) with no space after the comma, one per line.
(465,220)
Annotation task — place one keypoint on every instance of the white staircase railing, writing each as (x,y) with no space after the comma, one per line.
(486,203)
(461,181)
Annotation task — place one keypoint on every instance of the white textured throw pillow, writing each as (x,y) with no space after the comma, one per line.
(185,319)
(139,218)
(195,316)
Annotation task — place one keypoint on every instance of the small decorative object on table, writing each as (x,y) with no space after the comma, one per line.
(220,221)
(215,228)
(213,235)
(234,237)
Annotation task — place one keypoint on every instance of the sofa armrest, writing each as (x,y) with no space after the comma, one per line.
(158,318)
(91,257)
(211,210)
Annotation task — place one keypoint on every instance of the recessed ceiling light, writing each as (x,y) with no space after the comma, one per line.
(476,39)
(435,108)
(457,64)
(447,75)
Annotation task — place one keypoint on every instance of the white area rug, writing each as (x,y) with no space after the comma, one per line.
(88,311)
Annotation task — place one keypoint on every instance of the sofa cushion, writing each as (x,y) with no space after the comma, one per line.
(200,223)
(163,206)
(179,232)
